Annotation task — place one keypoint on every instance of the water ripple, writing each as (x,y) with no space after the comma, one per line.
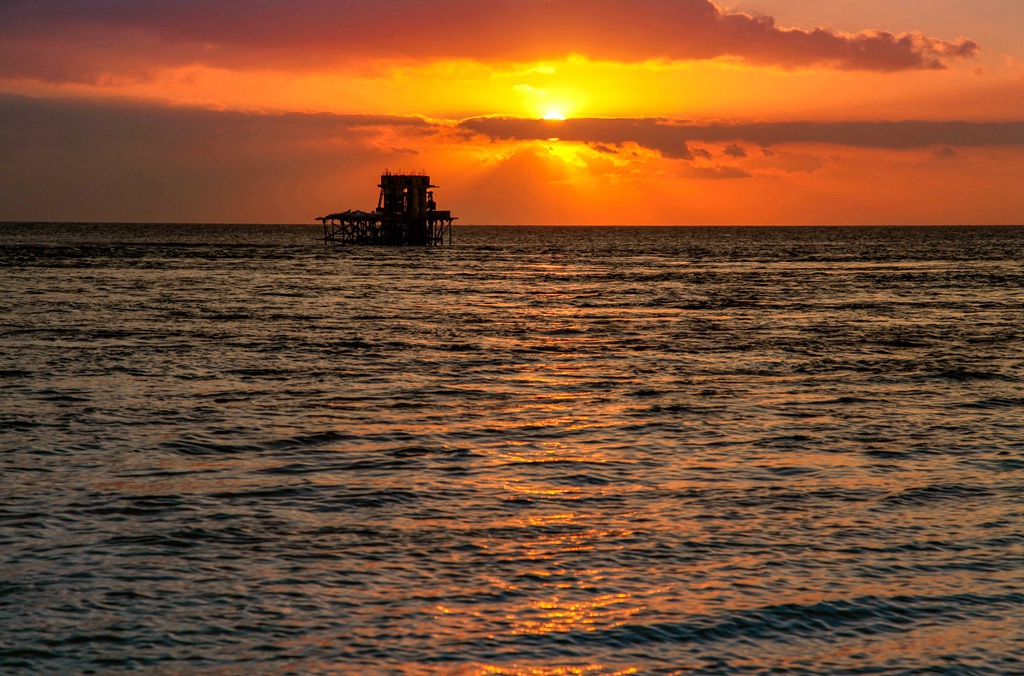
(542,451)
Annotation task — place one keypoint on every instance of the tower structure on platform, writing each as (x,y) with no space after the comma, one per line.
(406,215)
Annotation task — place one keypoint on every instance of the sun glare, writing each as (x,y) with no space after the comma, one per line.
(553,115)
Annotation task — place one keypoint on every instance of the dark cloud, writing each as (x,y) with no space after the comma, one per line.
(680,151)
(946,153)
(786,162)
(80,160)
(86,39)
(87,160)
(717,173)
(735,150)
(667,137)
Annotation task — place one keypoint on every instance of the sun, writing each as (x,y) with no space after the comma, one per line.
(554,115)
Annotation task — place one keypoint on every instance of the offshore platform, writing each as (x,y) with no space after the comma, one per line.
(406,215)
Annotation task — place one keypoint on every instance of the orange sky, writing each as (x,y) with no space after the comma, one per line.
(676,111)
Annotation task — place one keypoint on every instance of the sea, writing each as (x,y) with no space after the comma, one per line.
(230,449)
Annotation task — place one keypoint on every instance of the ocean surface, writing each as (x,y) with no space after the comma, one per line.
(229,449)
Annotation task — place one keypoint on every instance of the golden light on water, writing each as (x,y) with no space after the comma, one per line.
(515,670)
(557,615)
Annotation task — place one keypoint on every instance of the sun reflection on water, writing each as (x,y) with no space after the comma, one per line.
(560,615)
(516,670)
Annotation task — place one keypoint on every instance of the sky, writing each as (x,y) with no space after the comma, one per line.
(648,112)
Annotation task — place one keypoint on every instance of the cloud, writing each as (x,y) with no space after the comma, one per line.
(676,151)
(670,138)
(786,163)
(735,150)
(84,40)
(78,160)
(716,173)
(81,160)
